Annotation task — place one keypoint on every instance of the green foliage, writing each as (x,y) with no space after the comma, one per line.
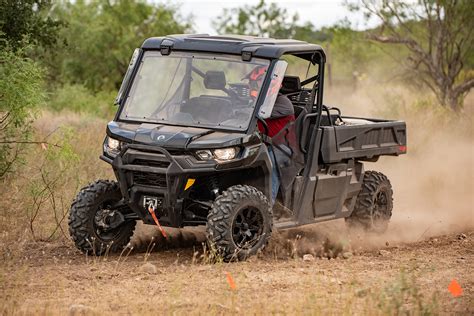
(261,19)
(351,55)
(26,20)
(20,93)
(101,36)
(310,34)
(78,98)
(349,52)
(404,297)
(54,170)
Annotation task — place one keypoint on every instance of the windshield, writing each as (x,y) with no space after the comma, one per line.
(194,89)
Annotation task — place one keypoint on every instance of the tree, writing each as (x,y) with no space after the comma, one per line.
(262,19)
(27,20)
(307,32)
(438,35)
(101,36)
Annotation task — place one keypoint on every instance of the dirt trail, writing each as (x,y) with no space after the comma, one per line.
(55,279)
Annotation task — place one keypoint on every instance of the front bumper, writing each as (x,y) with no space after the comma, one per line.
(143,170)
(153,171)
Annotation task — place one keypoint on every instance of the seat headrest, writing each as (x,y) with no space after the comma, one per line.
(214,80)
(290,84)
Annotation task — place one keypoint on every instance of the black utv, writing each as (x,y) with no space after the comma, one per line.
(186,148)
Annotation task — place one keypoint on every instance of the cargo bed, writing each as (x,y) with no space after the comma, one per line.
(363,139)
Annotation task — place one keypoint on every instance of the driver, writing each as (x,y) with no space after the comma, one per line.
(282,113)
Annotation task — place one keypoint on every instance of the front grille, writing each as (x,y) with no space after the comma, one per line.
(149,178)
(151,163)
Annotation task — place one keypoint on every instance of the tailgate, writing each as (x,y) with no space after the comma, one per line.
(367,139)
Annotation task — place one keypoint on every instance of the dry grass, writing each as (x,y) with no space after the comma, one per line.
(410,279)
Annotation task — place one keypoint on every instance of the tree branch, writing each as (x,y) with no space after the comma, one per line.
(464,87)
(28,142)
(4,117)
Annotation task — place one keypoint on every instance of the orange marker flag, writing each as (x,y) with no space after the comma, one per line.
(230,280)
(455,288)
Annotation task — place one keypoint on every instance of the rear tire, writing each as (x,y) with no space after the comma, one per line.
(88,215)
(374,204)
(239,223)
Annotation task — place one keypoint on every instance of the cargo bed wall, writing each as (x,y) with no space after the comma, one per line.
(363,141)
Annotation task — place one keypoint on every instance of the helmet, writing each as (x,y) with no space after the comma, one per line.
(255,79)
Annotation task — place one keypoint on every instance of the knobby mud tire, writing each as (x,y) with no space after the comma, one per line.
(369,213)
(84,208)
(223,214)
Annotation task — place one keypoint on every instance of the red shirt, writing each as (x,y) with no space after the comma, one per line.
(275,125)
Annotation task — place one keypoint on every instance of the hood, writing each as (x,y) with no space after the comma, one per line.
(167,136)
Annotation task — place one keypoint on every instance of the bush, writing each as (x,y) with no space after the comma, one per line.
(21,92)
(404,297)
(79,99)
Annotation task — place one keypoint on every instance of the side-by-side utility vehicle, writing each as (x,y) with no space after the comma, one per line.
(190,146)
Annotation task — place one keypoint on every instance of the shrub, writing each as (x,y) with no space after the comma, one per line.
(21,92)
(79,99)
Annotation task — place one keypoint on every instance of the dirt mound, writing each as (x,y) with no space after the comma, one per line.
(320,240)
(149,238)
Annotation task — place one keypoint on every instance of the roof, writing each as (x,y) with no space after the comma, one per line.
(236,44)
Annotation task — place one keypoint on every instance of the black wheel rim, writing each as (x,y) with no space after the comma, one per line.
(102,220)
(380,210)
(247,228)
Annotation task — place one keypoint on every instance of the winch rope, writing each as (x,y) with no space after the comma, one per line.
(151,209)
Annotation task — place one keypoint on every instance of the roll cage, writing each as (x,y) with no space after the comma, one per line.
(247,47)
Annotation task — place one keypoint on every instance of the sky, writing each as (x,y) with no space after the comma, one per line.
(319,12)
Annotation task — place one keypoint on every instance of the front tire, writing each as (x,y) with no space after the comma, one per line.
(239,223)
(373,208)
(93,226)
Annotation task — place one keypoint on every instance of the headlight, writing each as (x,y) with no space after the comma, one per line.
(222,154)
(113,143)
(112,146)
(225,153)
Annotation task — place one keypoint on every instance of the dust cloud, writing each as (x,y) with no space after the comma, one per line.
(433,184)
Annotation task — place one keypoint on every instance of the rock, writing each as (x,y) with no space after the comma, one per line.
(384,253)
(334,280)
(347,255)
(362,293)
(462,236)
(148,268)
(79,309)
(308,257)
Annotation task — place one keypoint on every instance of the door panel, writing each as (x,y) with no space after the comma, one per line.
(330,191)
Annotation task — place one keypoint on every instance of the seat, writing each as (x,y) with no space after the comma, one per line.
(208,109)
(290,84)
